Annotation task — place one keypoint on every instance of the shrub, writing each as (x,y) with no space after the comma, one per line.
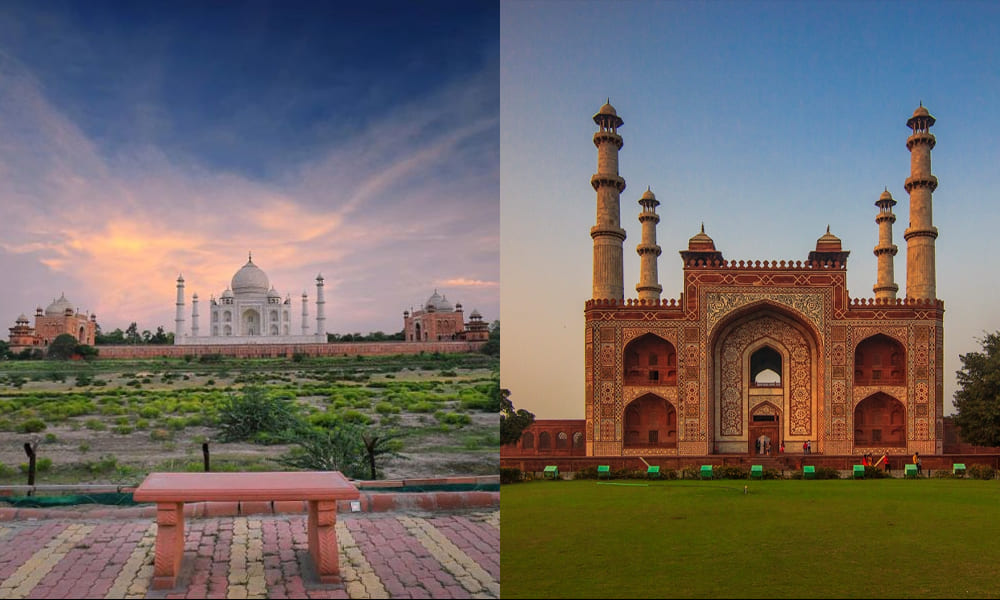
(510,475)
(50,438)
(94,425)
(242,416)
(452,418)
(160,435)
(385,408)
(41,465)
(356,416)
(31,426)
(336,449)
(980,472)
(123,429)
(210,358)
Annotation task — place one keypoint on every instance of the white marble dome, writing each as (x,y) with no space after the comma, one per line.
(58,307)
(250,279)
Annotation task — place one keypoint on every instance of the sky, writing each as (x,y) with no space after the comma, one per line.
(140,141)
(767,122)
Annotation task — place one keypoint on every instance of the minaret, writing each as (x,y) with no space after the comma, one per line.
(607,233)
(194,315)
(179,318)
(885,284)
(320,318)
(920,235)
(305,314)
(649,287)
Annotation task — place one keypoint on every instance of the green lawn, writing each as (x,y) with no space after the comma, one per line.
(889,538)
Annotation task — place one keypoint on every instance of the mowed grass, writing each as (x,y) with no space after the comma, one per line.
(888,538)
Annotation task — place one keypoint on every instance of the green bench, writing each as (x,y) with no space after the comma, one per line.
(706,471)
(910,470)
(653,472)
(757,472)
(809,472)
(958,469)
(603,471)
(859,471)
(551,472)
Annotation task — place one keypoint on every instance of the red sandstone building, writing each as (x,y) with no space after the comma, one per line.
(438,321)
(753,349)
(58,318)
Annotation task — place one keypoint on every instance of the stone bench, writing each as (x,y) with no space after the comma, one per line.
(321,489)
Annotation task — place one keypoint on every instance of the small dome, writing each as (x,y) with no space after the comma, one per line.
(921,118)
(437,303)
(475,315)
(607,109)
(921,112)
(250,279)
(273,293)
(701,241)
(228,293)
(22,319)
(59,307)
(647,195)
(606,114)
(885,196)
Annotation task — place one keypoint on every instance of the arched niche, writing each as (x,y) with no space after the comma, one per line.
(879,360)
(765,367)
(650,422)
(880,421)
(649,360)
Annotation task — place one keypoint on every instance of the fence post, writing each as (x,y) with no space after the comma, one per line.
(204,451)
(29,449)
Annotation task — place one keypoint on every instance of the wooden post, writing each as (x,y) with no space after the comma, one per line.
(29,449)
(204,451)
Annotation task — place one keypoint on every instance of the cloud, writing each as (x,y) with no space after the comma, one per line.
(382,213)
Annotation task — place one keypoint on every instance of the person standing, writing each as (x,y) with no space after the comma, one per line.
(916,461)
(781,448)
(805,447)
(888,469)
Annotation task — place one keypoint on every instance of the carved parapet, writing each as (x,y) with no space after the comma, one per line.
(633,302)
(771,265)
(909,302)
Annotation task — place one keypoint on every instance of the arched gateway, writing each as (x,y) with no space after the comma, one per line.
(765,374)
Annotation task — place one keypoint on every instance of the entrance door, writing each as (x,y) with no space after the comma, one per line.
(764,426)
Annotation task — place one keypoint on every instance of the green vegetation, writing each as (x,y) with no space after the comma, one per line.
(102,408)
(886,538)
(978,398)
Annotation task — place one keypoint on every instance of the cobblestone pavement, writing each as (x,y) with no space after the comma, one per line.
(382,555)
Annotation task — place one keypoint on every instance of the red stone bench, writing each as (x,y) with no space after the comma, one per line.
(321,489)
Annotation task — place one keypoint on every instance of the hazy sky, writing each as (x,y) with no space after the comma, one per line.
(142,140)
(767,121)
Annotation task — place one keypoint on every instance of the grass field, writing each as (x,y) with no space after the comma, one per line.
(888,538)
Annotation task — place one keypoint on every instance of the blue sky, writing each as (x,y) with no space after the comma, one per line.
(140,140)
(767,121)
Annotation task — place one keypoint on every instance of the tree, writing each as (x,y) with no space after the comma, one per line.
(132,333)
(492,345)
(978,398)
(4,350)
(380,444)
(512,422)
(254,415)
(63,347)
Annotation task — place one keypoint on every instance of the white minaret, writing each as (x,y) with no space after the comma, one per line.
(194,315)
(649,287)
(305,314)
(320,318)
(179,319)
(885,283)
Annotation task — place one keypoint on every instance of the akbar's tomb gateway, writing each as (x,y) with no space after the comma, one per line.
(752,349)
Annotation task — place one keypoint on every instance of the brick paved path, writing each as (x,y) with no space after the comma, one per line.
(382,555)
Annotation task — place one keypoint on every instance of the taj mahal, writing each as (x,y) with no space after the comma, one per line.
(250,311)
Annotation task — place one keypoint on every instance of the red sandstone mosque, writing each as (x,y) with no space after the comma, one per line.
(58,318)
(752,348)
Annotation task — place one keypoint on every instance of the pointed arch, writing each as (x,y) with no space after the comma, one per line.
(880,360)
(650,422)
(649,360)
(880,421)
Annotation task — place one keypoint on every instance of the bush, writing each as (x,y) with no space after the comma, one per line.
(452,418)
(31,426)
(510,475)
(94,425)
(41,465)
(160,435)
(241,417)
(335,449)
(980,472)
